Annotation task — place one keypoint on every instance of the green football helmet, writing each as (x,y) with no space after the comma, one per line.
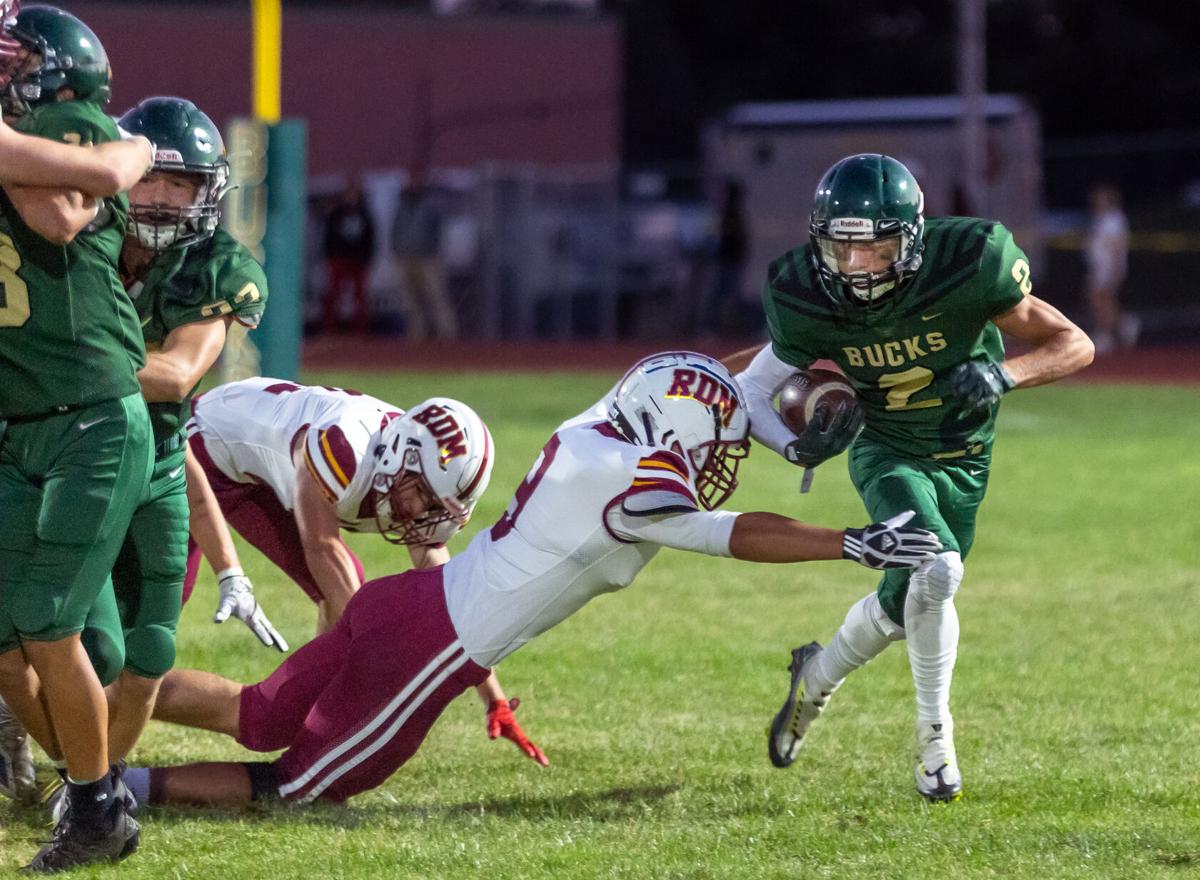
(186,142)
(70,56)
(867,198)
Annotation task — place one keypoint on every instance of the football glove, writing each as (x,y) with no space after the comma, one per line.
(237,598)
(502,722)
(888,544)
(826,435)
(979,384)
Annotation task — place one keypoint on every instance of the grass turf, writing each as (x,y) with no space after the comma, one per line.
(1075,696)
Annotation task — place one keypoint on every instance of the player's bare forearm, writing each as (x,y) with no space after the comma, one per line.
(187,354)
(769,537)
(101,172)
(333,569)
(739,360)
(208,526)
(57,215)
(489,690)
(1059,347)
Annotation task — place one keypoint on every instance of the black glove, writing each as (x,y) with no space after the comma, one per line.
(979,384)
(887,545)
(830,431)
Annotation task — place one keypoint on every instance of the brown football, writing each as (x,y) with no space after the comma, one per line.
(813,394)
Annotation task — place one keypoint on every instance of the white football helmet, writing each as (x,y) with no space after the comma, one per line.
(689,403)
(445,447)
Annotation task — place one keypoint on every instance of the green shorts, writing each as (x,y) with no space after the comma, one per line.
(69,485)
(148,576)
(945,493)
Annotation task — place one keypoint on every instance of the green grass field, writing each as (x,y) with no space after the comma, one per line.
(1077,695)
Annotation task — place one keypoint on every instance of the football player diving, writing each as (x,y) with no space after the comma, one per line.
(646,468)
(911,310)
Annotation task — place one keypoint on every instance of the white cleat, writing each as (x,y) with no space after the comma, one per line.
(936,772)
(802,707)
(18,779)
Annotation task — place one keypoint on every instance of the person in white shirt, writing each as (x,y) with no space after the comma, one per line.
(1107,255)
(644,469)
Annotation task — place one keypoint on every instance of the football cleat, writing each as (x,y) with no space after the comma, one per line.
(73,844)
(802,707)
(17,776)
(936,772)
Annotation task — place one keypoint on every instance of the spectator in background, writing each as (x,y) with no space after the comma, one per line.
(348,244)
(732,246)
(1107,255)
(416,242)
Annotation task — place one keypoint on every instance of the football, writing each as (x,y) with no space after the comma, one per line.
(813,394)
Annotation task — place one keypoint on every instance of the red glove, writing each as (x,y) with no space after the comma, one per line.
(502,722)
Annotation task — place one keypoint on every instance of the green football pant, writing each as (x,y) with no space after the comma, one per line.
(945,493)
(133,627)
(69,485)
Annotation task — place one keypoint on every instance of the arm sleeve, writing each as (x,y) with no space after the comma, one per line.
(1007,264)
(760,382)
(701,531)
(330,459)
(234,285)
(660,507)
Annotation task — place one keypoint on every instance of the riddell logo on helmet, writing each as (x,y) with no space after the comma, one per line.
(704,389)
(168,156)
(452,442)
(852,224)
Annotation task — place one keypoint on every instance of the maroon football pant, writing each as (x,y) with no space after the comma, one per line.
(354,704)
(254,511)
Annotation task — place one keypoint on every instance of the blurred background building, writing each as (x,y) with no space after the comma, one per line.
(574,154)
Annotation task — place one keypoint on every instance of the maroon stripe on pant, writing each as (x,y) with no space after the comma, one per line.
(254,511)
(403,666)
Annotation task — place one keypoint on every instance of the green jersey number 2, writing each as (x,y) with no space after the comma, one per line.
(901,386)
(14,293)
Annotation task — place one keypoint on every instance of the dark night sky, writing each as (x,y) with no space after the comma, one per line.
(1094,67)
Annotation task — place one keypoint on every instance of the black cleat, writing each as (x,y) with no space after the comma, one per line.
(73,845)
(791,723)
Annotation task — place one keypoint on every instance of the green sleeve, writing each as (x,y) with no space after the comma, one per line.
(1005,268)
(234,284)
(71,122)
(783,331)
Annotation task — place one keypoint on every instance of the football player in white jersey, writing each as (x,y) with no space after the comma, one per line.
(291,465)
(645,469)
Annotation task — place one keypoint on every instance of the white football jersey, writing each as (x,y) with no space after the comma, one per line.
(586,519)
(251,427)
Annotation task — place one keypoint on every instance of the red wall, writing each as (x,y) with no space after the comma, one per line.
(540,90)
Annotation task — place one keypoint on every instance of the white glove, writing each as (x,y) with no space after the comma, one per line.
(889,545)
(237,598)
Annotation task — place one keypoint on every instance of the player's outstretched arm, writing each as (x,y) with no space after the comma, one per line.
(211,533)
(769,537)
(97,171)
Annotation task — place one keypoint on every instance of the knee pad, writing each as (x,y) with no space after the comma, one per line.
(150,650)
(106,650)
(938,579)
(868,614)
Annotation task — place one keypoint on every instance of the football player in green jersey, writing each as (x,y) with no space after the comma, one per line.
(76,453)
(189,280)
(911,310)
